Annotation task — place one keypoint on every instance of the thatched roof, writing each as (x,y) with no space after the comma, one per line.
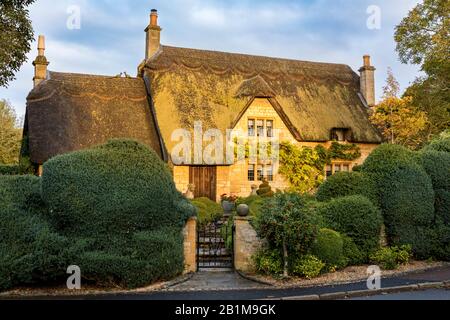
(69,112)
(188,85)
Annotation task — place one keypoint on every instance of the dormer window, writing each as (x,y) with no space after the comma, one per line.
(340,134)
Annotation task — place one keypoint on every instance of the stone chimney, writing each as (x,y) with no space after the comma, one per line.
(40,63)
(153,39)
(367,81)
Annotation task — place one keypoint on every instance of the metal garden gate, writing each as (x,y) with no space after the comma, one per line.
(215,245)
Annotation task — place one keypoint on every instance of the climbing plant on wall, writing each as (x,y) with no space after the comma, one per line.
(303,167)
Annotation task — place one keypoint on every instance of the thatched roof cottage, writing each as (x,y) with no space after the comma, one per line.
(309,103)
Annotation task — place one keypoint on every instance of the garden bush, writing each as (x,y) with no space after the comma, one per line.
(347,184)
(9,170)
(408,206)
(268,261)
(287,218)
(29,250)
(383,162)
(158,255)
(265,190)
(391,258)
(406,196)
(308,266)
(121,187)
(329,248)
(352,253)
(356,217)
(437,166)
(118,199)
(207,210)
(442,205)
(442,143)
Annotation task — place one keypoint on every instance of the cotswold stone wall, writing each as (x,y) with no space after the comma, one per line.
(190,245)
(246,244)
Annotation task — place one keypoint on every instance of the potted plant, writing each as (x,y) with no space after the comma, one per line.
(228,203)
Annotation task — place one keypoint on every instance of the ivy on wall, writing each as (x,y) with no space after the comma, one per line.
(303,166)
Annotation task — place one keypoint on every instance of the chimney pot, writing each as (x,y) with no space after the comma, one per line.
(154,18)
(41,45)
(366,60)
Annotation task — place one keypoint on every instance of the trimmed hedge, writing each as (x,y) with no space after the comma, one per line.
(9,170)
(408,204)
(329,248)
(207,210)
(383,162)
(29,250)
(406,196)
(158,255)
(118,188)
(119,204)
(347,184)
(442,205)
(356,217)
(437,166)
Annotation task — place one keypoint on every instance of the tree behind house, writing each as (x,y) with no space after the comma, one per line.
(399,121)
(10,134)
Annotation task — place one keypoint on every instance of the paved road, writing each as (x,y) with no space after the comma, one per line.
(415,295)
(219,288)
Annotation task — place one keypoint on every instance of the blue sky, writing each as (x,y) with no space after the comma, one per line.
(111,38)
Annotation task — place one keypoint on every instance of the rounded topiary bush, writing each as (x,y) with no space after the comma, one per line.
(385,161)
(352,253)
(437,166)
(408,203)
(329,248)
(356,217)
(347,184)
(119,206)
(121,187)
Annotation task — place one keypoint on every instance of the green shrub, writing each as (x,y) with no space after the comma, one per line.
(287,218)
(356,217)
(265,190)
(408,205)
(157,255)
(207,210)
(122,184)
(9,170)
(437,166)
(391,258)
(442,205)
(308,266)
(120,201)
(383,162)
(352,253)
(405,191)
(21,193)
(268,261)
(347,184)
(440,144)
(329,248)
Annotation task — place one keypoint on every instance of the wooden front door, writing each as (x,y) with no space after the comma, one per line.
(204,180)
